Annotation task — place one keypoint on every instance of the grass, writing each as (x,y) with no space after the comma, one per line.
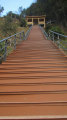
(10,47)
(22,29)
(62,44)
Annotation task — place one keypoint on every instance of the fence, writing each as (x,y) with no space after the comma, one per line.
(44,32)
(8,44)
(59,39)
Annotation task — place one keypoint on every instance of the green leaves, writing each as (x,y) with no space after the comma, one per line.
(9,27)
(1,9)
(54,10)
(23,22)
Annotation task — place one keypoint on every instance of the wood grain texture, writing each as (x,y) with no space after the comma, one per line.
(33,80)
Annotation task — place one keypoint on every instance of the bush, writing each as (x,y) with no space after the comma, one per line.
(9,27)
(23,22)
(54,28)
(48,27)
(0,60)
(57,29)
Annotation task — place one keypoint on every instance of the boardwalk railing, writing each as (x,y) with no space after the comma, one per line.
(8,44)
(44,32)
(59,39)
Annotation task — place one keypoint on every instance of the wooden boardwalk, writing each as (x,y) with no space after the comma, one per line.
(33,80)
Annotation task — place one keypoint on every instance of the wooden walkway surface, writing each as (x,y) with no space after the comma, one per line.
(33,80)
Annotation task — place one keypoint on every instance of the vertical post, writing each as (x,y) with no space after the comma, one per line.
(38,22)
(49,34)
(32,22)
(44,23)
(59,40)
(20,37)
(53,36)
(5,53)
(15,42)
(58,37)
(23,35)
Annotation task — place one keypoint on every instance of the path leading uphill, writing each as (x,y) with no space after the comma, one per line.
(33,80)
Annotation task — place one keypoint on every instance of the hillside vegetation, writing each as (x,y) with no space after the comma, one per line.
(55,10)
(11,24)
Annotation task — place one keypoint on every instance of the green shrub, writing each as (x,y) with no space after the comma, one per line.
(54,28)
(48,27)
(9,27)
(23,22)
(57,29)
(0,60)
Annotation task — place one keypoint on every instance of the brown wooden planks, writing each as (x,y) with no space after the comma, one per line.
(33,80)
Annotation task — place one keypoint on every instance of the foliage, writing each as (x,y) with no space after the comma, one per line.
(1,10)
(23,22)
(48,27)
(54,10)
(20,9)
(9,27)
(54,28)
(13,15)
(23,13)
(57,29)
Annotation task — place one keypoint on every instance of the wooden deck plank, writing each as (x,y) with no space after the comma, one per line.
(33,80)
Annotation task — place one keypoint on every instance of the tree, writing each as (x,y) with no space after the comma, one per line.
(23,13)
(13,15)
(10,14)
(23,22)
(1,9)
(20,10)
(54,10)
(9,27)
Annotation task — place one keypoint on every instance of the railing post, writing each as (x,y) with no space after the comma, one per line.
(59,40)
(23,36)
(15,42)
(20,36)
(58,37)
(6,43)
(5,54)
(49,37)
(49,34)
(53,37)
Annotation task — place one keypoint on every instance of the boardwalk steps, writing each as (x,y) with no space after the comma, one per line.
(33,80)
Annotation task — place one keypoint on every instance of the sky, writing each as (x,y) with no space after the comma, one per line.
(13,5)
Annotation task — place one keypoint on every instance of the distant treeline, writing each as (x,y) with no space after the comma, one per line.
(54,9)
